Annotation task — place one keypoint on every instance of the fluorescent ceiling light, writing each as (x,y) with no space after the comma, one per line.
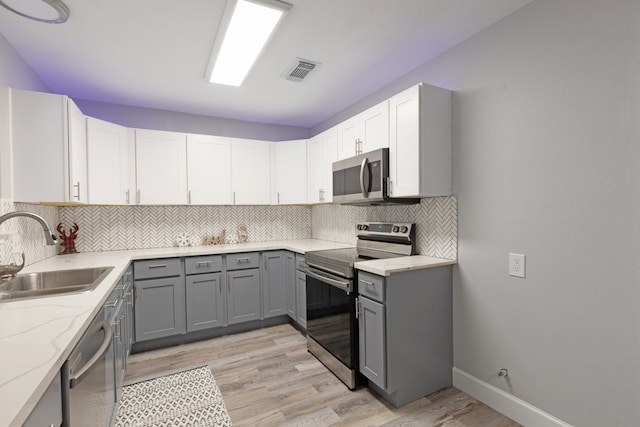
(245,29)
(48,11)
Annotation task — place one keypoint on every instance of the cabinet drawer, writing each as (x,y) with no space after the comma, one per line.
(371,286)
(203,264)
(164,267)
(243,260)
(300,262)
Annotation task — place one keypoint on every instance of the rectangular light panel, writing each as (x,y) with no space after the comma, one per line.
(248,28)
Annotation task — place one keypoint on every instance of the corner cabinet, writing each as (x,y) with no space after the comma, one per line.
(48,148)
(161,167)
(420,142)
(406,332)
(159,298)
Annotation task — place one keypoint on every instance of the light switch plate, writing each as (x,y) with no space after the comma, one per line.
(517,265)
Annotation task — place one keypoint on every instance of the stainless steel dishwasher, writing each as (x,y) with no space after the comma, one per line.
(87,375)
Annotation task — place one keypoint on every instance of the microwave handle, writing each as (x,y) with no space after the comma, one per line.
(365,191)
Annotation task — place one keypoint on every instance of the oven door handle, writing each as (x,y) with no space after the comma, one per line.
(82,372)
(345,285)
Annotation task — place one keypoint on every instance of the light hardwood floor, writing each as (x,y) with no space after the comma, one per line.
(268,378)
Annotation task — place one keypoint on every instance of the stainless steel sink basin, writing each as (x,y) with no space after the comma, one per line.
(48,283)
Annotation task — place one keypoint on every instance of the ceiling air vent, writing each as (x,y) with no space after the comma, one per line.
(299,69)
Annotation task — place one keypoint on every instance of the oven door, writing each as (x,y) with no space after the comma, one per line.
(331,317)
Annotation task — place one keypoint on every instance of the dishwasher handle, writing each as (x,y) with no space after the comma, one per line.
(82,372)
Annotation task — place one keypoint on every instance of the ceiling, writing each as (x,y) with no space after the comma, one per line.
(153,53)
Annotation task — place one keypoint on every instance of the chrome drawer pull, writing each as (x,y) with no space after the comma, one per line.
(158,266)
(366,282)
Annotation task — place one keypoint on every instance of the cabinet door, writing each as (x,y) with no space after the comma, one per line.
(374,127)
(160,308)
(204,301)
(322,152)
(274,283)
(348,138)
(372,341)
(107,163)
(301,289)
(77,146)
(243,295)
(209,170)
(161,167)
(250,172)
(289,172)
(404,143)
(292,298)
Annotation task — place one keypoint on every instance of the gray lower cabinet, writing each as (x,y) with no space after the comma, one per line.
(48,410)
(159,302)
(205,308)
(301,299)
(275,280)
(406,332)
(243,295)
(292,301)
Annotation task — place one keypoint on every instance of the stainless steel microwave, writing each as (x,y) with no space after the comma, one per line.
(364,180)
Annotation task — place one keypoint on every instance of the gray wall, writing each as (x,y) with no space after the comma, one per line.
(546,155)
(148,118)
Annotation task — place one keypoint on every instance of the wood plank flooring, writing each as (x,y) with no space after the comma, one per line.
(268,378)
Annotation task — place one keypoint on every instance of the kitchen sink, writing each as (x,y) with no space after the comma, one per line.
(49,283)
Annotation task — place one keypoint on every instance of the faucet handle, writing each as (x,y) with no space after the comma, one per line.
(11,269)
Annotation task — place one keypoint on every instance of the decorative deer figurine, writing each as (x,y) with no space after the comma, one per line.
(68,243)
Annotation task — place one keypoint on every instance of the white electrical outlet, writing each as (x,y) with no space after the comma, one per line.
(516,265)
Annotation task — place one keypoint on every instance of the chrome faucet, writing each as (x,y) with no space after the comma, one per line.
(12,269)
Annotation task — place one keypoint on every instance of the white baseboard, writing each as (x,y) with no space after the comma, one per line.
(503,402)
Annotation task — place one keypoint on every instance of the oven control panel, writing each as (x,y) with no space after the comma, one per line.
(404,229)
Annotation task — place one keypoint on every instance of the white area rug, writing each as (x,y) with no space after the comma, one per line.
(187,398)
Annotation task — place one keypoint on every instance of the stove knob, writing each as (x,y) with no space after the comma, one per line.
(403,229)
(395,229)
(365,227)
(359,226)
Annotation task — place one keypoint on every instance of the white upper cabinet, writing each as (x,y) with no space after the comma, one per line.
(48,140)
(420,142)
(364,132)
(77,149)
(209,170)
(108,149)
(289,172)
(322,152)
(250,171)
(161,167)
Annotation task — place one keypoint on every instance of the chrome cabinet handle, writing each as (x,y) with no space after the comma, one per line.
(77,185)
(202,263)
(357,308)
(243,259)
(366,282)
(138,197)
(157,266)
(127,197)
(234,197)
(189,197)
(278,197)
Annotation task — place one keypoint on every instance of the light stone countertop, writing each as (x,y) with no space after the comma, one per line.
(389,266)
(37,335)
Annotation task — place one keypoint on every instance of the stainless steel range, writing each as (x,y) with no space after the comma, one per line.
(332,326)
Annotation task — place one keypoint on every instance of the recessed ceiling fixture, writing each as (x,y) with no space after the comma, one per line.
(48,11)
(245,28)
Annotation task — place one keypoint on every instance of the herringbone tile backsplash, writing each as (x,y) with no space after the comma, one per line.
(106,228)
(436,220)
(26,235)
